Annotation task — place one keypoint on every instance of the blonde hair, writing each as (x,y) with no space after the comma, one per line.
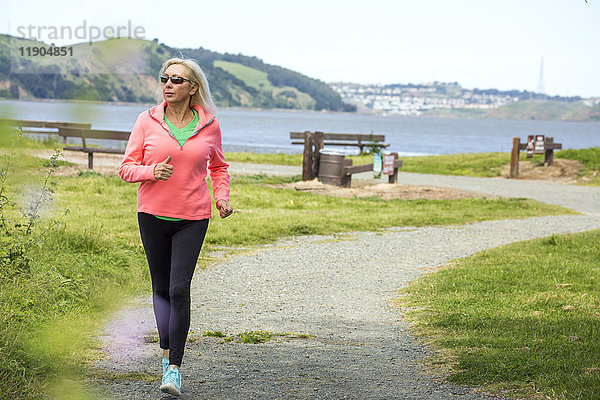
(202,97)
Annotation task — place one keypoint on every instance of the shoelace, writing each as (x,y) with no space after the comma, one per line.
(174,376)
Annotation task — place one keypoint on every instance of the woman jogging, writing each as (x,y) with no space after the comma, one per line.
(169,149)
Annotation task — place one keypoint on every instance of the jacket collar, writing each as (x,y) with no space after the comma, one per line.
(158,112)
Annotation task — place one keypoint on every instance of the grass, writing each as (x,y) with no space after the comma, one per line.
(217,334)
(286,159)
(253,337)
(462,164)
(466,164)
(52,305)
(264,214)
(523,319)
(590,158)
(84,266)
(259,158)
(252,77)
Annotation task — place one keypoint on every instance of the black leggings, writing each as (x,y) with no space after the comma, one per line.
(172,249)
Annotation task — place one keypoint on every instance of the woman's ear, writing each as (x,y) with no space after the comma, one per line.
(194,90)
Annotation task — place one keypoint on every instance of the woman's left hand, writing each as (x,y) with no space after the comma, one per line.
(225,210)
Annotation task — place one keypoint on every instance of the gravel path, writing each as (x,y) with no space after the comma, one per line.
(333,295)
(585,199)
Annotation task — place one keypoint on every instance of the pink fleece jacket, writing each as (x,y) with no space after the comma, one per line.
(185,194)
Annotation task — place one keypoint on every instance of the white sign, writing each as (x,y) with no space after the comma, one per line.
(388,164)
(538,145)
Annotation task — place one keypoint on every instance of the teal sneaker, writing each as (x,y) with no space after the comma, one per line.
(165,363)
(171,382)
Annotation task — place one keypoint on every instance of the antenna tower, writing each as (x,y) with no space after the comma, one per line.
(540,86)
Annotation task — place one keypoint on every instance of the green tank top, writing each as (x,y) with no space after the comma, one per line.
(185,133)
(182,135)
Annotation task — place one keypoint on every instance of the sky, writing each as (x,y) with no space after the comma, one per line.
(477,43)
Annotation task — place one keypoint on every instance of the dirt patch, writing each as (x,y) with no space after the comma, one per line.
(386,191)
(563,171)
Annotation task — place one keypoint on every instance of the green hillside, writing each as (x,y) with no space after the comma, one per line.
(530,110)
(126,70)
(546,110)
(285,96)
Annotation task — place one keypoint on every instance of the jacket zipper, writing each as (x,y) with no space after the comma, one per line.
(173,136)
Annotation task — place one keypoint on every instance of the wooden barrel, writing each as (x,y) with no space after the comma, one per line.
(331,168)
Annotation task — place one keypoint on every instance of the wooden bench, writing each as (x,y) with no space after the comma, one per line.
(85,134)
(359,140)
(76,130)
(314,141)
(54,125)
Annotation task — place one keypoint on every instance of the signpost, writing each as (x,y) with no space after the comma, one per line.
(388,164)
(536,144)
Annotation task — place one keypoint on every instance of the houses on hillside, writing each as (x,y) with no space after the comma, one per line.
(415,99)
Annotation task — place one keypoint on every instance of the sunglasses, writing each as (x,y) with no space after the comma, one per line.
(175,80)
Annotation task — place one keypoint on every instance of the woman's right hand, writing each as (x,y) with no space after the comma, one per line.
(163,170)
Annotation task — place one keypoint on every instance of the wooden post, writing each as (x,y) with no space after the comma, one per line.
(549,156)
(514,158)
(394,177)
(346,179)
(316,145)
(307,159)
(313,142)
(91,160)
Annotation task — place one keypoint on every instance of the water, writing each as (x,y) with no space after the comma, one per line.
(268,131)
